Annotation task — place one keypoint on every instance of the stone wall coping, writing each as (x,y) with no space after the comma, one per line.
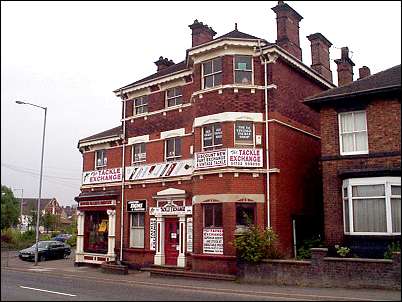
(358,260)
(319,249)
(296,262)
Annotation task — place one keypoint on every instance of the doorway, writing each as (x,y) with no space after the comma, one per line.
(171,241)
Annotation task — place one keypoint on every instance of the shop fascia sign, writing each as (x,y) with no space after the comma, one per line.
(136,205)
(160,170)
(231,157)
(171,209)
(99,203)
(101,176)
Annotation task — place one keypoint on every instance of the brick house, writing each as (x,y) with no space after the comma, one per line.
(361,158)
(198,143)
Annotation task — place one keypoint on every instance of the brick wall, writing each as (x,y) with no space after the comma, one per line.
(324,271)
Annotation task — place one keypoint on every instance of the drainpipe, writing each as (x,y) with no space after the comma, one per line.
(123,177)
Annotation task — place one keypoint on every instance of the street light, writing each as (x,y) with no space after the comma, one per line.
(40,178)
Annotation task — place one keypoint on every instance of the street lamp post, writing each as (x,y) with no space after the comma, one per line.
(40,179)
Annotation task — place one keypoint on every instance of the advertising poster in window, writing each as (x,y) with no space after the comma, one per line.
(245,157)
(244,132)
(213,241)
(189,233)
(101,176)
(211,159)
(152,234)
(178,168)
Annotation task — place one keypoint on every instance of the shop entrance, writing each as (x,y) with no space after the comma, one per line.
(171,241)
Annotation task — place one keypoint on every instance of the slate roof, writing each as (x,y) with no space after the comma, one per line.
(104,134)
(387,80)
(237,35)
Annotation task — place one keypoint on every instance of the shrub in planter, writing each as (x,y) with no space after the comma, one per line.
(393,247)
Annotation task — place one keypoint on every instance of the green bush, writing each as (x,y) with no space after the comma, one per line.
(393,247)
(72,241)
(342,251)
(255,244)
(304,251)
(14,239)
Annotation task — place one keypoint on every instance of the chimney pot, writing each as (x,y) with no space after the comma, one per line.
(201,33)
(364,72)
(162,63)
(320,55)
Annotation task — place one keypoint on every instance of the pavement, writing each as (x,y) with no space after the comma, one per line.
(65,268)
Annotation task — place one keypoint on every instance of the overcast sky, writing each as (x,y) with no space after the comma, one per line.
(70,56)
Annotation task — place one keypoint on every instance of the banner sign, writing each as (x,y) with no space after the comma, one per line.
(171,209)
(245,158)
(152,234)
(211,159)
(213,241)
(189,233)
(136,205)
(232,157)
(169,169)
(101,176)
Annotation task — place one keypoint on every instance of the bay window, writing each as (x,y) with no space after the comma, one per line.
(353,133)
(96,228)
(372,206)
(212,73)
(244,133)
(212,136)
(243,69)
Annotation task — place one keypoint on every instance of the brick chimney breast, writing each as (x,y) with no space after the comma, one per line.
(287,29)
(201,33)
(320,55)
(364,72)
(344,67)
(162,63)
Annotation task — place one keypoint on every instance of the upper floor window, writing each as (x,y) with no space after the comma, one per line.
(372,206)
(212,73)
(100,159)
(140,105)
(173,148)
(243,70)
(139,153)
(244,133)
(213,215)
(212,136)
(353,133)
(173,96)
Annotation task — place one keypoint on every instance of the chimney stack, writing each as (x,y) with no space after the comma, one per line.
(162,63)
(345,67)
(364,72)
(201,33)
(287,29)
(320,55)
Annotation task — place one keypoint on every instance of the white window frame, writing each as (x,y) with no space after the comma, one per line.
(387,182)
(173,158)
(251,70)
(104,159)
(213,147)
(132,228)
(353,132)
(240,144)
(175,97)
(211,74)
(135,107)
(133,162)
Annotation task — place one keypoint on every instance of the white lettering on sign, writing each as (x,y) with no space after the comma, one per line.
(189,234)
(136,205)
(211,159)
(245,157)
(101,176)
(152,234)
(171,210)
(213,241)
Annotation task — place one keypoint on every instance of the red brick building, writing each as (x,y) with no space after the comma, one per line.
(198,143)
(361,158)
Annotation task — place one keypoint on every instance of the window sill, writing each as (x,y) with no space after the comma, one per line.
(371,234)
(354,153)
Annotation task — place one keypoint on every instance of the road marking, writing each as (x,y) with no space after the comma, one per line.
(41,269)
(48,291)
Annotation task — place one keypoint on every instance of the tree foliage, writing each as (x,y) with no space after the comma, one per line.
(10,208)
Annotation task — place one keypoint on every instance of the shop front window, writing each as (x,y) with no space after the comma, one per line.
(96,232)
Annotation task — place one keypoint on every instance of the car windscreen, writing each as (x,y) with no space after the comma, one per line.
(42,245)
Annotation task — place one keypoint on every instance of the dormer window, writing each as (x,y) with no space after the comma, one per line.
(173,96)
(243,69)
(140,105)
(212,73)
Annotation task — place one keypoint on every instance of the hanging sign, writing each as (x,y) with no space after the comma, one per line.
(213,241)
(245,157)
(211,159)
(101,176)
(136,205)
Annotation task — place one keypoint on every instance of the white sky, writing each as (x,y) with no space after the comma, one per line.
(70,56)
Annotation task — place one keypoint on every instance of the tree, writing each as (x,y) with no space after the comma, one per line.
(49,221)
(10,208)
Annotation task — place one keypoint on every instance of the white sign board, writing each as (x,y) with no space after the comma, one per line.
(170,209)
(101,176)
(152,234)
(169,169)
(213,241)
(189,233)
(245,157)
(211,159)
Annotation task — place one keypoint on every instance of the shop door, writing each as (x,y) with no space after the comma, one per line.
(171,241)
